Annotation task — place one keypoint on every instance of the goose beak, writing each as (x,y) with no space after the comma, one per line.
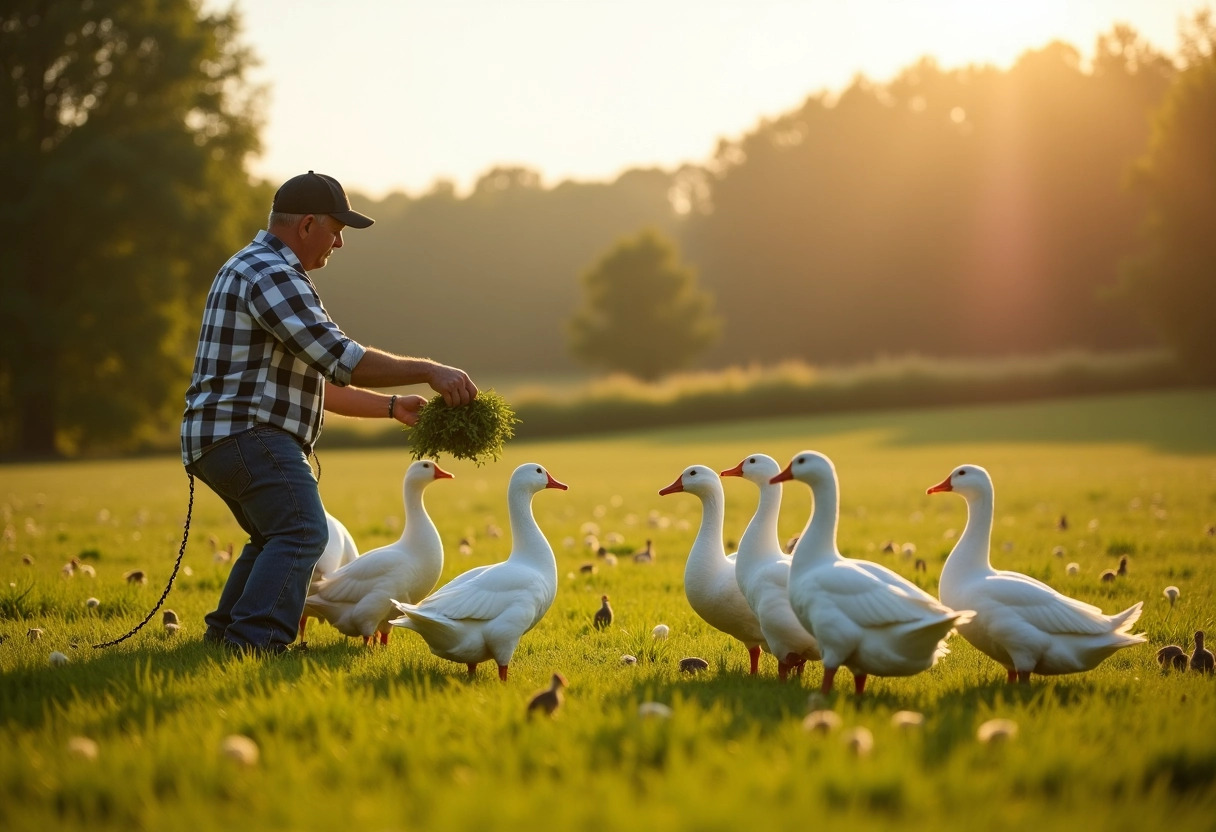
(787,474)
(737,471)
(441,474)
(678,485)
(944,485)
(552,483)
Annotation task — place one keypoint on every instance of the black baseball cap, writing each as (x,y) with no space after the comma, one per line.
(316,193)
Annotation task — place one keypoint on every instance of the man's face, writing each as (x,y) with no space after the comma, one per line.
(320,234)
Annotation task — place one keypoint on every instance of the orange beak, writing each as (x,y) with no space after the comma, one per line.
(552,483)
(737,471)
(678,485)
(944,485)
(441,474)
(787,474)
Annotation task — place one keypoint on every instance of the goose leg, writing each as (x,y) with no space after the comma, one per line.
(502,672)
(384,638)
(303,624)
(754,653)
(472,668)
(367,640)
(1012,676)
(782,670)
(829,675)
(859,683)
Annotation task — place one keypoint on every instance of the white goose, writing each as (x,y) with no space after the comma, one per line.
(357,598)
(482,614)
(762,570)
(340,549)
(1020,622)
(864,616)
(709,575)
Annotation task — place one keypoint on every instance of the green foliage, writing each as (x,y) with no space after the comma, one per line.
(127,127)
(643,313)
(1172,282)
(475,431)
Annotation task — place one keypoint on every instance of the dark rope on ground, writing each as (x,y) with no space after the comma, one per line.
(169,586)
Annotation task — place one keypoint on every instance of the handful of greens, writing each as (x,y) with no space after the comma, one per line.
(473,431)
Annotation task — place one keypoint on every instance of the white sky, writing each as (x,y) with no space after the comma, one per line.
(395,94)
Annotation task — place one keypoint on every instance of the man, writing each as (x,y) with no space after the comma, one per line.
(269,360)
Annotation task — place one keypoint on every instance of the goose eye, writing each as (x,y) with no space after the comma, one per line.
(752,461)
(800,460)
(426,465)
(692,473)
(961,472)
(540,470)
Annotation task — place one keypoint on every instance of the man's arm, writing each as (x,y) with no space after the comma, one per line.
(368,404)
(381,369)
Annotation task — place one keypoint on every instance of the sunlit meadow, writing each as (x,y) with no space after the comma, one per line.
(132,736)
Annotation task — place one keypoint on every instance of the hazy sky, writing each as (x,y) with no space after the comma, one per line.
(394,94)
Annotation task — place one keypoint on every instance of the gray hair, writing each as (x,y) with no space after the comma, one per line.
(283,218)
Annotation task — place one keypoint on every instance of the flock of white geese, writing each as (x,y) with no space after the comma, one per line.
(809,605)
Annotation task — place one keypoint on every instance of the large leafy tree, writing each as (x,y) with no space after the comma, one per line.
(643,312)
(1173,281)
(122,169)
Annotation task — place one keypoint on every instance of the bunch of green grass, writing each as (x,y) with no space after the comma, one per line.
(475,431)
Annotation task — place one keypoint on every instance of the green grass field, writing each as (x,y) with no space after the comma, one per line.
(396,739)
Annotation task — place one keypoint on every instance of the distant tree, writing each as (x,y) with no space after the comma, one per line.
(122,165)
(1173,280)
(643,312)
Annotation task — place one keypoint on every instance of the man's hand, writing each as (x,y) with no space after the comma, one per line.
(453,384)
(406,409)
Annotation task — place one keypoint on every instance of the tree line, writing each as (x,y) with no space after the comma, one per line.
(946,212)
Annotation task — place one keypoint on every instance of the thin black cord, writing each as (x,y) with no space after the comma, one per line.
(176,566)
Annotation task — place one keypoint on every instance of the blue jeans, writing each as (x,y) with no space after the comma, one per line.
(264,476)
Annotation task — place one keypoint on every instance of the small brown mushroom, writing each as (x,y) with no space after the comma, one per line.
(693,664)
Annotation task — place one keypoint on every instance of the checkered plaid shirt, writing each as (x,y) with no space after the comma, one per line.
(266,348)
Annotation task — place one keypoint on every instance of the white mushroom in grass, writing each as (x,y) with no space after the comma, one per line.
(997,730)
(821,722)
(859,740)
(241,749)
(907,719)
(655,709)
(83,747)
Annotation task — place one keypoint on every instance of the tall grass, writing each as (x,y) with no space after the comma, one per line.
(396,738)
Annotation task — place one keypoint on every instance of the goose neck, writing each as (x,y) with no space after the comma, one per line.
(526,536)
(708,542)
(761,532)
(974,543)
(818,540)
